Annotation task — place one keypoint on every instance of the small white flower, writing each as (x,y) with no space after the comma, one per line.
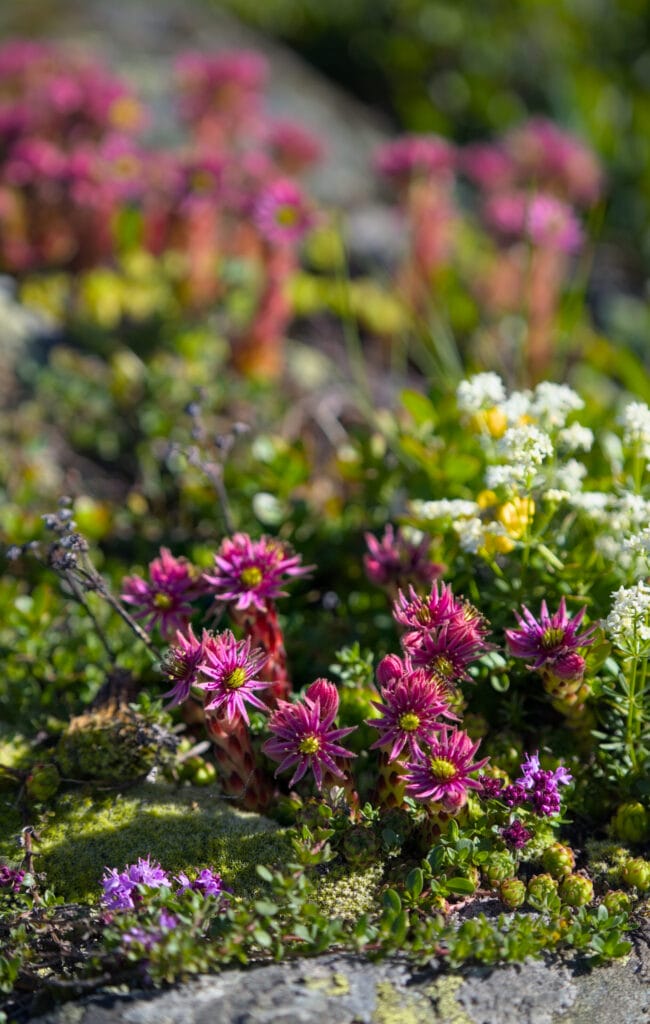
(627,622)
(552,403)
(569,477)
(445,508)
(576,438)
(470,534)
(639,543)
(510,477)
(556,496)
(482,391)
(636,427)
(526,444)
(516,407)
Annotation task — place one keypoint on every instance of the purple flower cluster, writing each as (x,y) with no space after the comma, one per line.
(11,878)
(536,786)
(516,835)
(395,561)
(150,937)
(122,888)
(207,882)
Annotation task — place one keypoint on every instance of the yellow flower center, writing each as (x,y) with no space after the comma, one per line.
(442,769)
(310,745)
(441,668)
(409,721)
(286,216)
(423,614)
(163,602)
(236,678)
(552,637)
(251,576)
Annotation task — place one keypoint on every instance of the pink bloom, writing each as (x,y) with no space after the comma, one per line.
(229,671)
(439,608)
(415,156)
(282,213)
(553,159)
(552,224)
(303,737)
(252,572)
(446,652)
(443,776)
(551,644)
(489,166)
(164,600)
(293,147)
(410,712)
(398,561)
(505,213)
(515,835)
(182,663)
(228,82)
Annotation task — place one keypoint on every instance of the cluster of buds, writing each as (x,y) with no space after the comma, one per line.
(74,161)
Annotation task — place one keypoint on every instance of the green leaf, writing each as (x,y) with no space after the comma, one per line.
(460,885)
(392,901)
(265,874)
(415,882)
(265,908)
(419,406)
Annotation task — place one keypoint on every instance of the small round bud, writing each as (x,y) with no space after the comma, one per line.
(497,868)
(541,888)
(558,860)
(360,846)
(616,901)
(576,890)
(636,873)
(512,892)
(631,823)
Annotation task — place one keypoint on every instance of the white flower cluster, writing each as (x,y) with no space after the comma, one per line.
(636,427)
(482,391)
(627,622)
(639,543)
(552,403)
(446,508)
(576,438)
(524,449)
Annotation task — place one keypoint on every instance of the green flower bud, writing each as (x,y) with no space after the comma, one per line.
(631,823)
(558,860)
(541,888)
(576,890)
(360,846)
(497,868)
(512,892)
(636,873)
(616,901)
(205,774)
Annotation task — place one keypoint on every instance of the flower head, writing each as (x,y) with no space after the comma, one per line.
(443,775)
(11,878)
(182,663)
(551,644)
(121,887)
(516,835)
(302,735)
(228,669)
(252,572)
(552,224)
(410,712)
(207,882)
(415,156)
(293,147)
(396,560)
(163,600)
(541,787)
(282,213)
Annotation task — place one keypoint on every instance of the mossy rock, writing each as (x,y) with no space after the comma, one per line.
(181,828)
(113,744)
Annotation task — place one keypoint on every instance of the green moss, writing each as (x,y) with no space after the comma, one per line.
(181,828)
(10,826)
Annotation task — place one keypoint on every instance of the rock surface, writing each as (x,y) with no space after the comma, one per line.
(350,990)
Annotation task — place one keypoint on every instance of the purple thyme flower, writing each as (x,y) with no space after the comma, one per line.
(207,882)
(491,787)
(121,887)
(551,645)
(410,711)
(150,937)
(165,599)
(303,737)
(252,572)
(443,776)
(182,663)
(541,786)
(395,561)
(282,213)
(11,878)
(516,835)
(229,671)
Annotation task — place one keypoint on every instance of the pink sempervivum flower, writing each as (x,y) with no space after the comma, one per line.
(505,213)
(443,775)
(410,711)
(302,735)
(395,560)
(446,652)
(552,644)
(426,616)
(293,147)
(547,155)
(228,81)
(251,572)
(229,669)
(552,224)
(182,663)
(165,599)
(488,166)
(282,213)
(415,156)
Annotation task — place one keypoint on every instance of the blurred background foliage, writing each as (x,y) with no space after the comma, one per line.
(470,70)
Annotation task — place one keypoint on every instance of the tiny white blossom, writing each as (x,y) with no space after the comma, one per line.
(482,391)
(552,403)
(516,407)
(569,477)
(627,622)
(510,477)
(526,444)
(639,543)
(445,508)
(556,495)
(594,504)
(576,438)
(470,534)
(636,426)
